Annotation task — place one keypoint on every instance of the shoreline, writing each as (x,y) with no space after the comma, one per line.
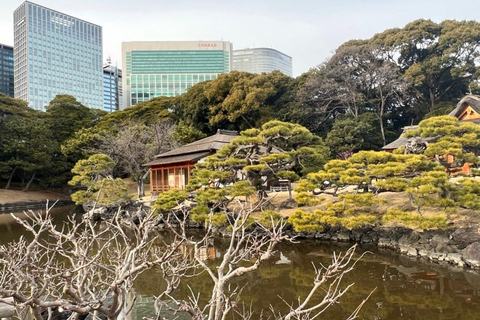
(454,246)
(16,200)
(27,205)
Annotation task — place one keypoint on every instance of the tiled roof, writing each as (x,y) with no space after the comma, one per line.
(195,150)
(215,142)
(180,158)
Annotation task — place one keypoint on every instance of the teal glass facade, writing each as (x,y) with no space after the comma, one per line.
(56,54)
(161,72)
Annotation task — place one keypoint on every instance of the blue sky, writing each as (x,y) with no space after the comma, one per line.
(308,31)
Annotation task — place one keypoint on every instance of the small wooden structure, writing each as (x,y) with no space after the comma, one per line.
(468,109)
(172,170)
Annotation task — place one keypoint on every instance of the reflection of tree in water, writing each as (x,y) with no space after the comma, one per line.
(406,288)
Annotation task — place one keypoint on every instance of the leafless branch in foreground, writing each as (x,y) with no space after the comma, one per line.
(329,280)
(80,268)
(248,247)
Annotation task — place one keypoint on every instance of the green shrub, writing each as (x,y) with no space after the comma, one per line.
(414,220)
(307,199)
(303,221)
(168,200)
(267,216)
(358,221)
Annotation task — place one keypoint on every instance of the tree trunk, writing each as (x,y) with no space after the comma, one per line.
(30,181)
(382,130)
(10,178)
(140,188)
(432,99)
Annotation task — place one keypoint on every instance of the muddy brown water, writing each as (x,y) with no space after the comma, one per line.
(405,288)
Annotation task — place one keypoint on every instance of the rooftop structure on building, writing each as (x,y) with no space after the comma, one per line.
(169,68)
(259,60)
(6,70)
(56,53)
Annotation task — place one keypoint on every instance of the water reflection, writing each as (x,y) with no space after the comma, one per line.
(406,288)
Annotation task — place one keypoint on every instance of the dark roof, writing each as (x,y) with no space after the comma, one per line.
(401,141)
(180,158)
(191,151)
(470,100)
(215,142)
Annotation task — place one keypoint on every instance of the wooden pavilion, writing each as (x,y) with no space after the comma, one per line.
(172,169)
(468,109)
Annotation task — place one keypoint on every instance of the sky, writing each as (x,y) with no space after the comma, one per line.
(307,30)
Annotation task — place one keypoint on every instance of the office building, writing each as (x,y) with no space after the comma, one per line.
(169,68)
(6,70)
(56,54)
(260,60)
(112,88)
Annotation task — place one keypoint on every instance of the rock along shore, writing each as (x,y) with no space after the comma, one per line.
(459,246)
(455,246)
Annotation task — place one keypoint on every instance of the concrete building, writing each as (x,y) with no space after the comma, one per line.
(112,88)
(6,70)
(56,54)
(169,68)
(260,60)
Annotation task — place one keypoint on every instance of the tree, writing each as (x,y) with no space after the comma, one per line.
(133,145)
(439,59)
(66,115)
(352,135)
(26,143)
(278,150)
(80,270)
(95,175)
(147,112)
(452,138)
(235,101)
(355,80)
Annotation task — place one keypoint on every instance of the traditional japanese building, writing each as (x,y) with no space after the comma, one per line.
(172,169)
(468,109)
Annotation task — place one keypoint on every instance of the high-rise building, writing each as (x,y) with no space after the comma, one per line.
(258,60)
(6,70)
(112,88)
(56,54)
(169,68)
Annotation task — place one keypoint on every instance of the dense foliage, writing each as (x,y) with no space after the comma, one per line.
(359,99)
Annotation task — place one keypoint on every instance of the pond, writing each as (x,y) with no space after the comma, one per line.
(405,288)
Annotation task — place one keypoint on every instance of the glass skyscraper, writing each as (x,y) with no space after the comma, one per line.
(6,70)
(112,88)
(56,54)
(260,60)
(169,68)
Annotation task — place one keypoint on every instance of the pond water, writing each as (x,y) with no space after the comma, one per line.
(405,288)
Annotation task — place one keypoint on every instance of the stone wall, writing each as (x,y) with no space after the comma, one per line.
(460,247)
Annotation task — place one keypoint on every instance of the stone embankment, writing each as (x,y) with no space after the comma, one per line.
(460,246)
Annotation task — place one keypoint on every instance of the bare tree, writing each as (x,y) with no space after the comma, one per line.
(80,269)
(329,280)
(135,144)
(250,245)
